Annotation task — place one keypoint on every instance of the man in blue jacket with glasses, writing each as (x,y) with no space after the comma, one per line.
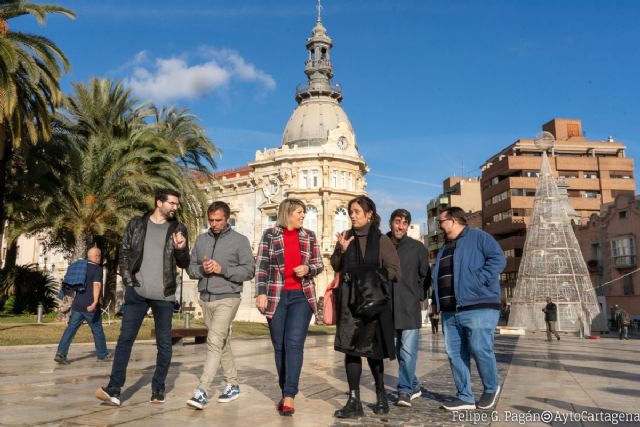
(467,293)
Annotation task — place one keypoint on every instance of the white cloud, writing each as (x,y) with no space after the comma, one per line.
(174,78)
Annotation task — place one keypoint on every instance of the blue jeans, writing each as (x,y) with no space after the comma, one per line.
(135,309)
(288,329)
(407,352)
(95,323)
(470,333)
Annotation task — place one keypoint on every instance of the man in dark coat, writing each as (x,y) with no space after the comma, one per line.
(622,322)
(551,319)
(407,294)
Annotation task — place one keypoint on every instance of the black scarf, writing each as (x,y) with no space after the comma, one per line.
(353,259)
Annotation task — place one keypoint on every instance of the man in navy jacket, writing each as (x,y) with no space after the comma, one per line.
(467,293)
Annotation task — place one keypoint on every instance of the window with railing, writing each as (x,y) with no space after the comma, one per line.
(590,174)
(623,251)
(523,192)
(567,174)
(591,194)
(621,174)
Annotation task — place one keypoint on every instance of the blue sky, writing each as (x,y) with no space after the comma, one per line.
(431,87)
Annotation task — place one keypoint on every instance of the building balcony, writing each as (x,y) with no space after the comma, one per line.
(626,261)
(507,225)
(437,202)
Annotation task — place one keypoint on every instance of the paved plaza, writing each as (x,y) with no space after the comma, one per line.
(590,378)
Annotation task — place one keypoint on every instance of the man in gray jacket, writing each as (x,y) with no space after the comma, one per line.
(221,260)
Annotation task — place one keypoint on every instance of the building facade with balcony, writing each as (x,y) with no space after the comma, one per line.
(593,173)
(610,244)
(456,191)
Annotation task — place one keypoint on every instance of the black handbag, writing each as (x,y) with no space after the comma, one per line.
(369,291)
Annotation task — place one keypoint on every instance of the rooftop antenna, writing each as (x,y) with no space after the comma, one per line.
(462,168)
(319,9)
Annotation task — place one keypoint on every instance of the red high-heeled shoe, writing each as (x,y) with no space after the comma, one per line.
(287,411)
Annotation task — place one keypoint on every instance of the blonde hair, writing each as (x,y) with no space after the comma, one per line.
(287,207)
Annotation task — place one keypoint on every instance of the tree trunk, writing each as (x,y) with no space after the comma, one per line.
(109,300)
(5,156)
(80,249)
(12,255)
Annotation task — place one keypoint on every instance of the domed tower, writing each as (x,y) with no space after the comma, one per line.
(318,161)
(319,120)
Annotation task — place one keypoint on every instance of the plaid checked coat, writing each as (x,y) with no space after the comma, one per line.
(270,266)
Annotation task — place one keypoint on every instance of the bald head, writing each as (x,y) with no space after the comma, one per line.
(94,255)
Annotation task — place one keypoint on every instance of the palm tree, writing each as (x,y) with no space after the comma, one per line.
(30,68)
(195,149)
(106,181)
(106,108)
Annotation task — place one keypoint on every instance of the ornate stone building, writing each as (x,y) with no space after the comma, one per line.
(317,162)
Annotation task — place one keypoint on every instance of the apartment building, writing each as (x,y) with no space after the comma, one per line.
(456,191)
(592,172)
(610,244)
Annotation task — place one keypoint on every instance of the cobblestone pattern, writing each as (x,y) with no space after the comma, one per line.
(438,387)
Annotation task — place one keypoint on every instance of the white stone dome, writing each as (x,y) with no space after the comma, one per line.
(312,121)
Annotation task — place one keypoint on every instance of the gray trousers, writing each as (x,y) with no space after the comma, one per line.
(218,316)
(551,329)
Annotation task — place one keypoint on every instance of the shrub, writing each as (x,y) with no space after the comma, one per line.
(24,287)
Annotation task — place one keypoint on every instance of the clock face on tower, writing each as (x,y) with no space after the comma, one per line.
(343,143)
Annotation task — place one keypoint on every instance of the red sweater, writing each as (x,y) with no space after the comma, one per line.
(292,259)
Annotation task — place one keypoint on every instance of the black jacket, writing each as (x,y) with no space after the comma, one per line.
(413,285)
(358,336)
(550,312)
(132,249)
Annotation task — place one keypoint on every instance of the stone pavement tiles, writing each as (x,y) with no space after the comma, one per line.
(565,376)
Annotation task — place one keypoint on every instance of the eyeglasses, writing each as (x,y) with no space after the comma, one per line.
(440,221)
(174,204)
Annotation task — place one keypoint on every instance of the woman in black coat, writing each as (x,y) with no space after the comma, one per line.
(364,247)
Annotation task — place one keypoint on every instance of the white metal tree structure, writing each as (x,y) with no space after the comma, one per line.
(552,263)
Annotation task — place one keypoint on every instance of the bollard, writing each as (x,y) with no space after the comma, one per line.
(187,318)
(40,311)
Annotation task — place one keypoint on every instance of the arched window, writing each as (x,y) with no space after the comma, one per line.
(341,220)
(311,219)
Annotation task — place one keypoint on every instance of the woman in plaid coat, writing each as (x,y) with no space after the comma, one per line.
(288,258)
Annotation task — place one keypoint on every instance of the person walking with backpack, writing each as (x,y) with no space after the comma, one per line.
(85,307)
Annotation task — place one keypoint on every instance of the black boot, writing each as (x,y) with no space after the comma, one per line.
(353,408)
(382,404)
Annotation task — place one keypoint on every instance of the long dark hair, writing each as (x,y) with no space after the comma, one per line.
(367,206)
